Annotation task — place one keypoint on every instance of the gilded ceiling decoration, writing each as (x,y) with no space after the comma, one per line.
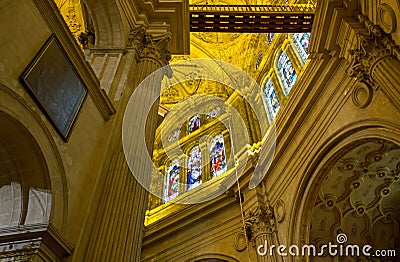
(71,10)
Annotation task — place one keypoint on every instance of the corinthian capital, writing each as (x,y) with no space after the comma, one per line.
(150,46)
(372,45)
(260,221)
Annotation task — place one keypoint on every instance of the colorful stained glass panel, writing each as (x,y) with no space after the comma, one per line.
(171,185)
(194,168)
(194,123)
(217,156)
(302,41)
(272,100)
(286,71)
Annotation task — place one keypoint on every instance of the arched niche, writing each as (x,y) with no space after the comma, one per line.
(25,188)
(351,188)
(110,28)
(33,187)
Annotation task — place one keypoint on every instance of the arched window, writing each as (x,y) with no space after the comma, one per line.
(301,41)
(171,184)
(217,156)
(271,99)
(194,123)
(194,168)
(286,71)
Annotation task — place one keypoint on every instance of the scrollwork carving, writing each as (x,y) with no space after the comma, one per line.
(260,221)
(150,46)
(373,44)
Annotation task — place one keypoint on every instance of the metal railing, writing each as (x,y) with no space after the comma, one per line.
(276,8)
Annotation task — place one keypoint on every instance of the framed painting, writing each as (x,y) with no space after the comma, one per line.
(56,86)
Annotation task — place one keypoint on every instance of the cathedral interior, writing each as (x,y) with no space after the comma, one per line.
(199,130)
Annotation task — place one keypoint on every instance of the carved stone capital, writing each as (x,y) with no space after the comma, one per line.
(150,46)
(260,221)
(87,38)
(372,45)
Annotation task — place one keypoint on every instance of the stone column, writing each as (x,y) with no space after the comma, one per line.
(375,60)
(261,230)
(118,229)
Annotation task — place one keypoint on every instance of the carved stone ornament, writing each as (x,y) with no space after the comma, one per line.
(87,38)
(240,242)
(372,45)
(362,95)
(260,221)
(387,18)
(150,46)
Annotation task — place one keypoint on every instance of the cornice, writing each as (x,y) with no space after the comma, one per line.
(43,237)
(161,17)
(185,215)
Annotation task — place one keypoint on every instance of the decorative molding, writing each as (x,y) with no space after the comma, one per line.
(150,46)
(240,242)
(280,210)
(372,45)
(362,95)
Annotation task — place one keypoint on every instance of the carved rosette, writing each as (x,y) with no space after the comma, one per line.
(149,46)
(373,45)
(260,221)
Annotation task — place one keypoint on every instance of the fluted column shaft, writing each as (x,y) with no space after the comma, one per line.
(118,230)
(385,72)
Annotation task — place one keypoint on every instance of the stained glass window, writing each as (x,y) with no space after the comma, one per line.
(259,58)
(171,184)
(174,135)
(213,113)
(273,104)
(287,73)
(217,156)
(302,40)
(194,168)
(269,38)
(194,123)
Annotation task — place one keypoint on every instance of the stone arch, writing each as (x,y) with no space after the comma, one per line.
(333,151)
(111,30)
(32,153)
(213,257)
